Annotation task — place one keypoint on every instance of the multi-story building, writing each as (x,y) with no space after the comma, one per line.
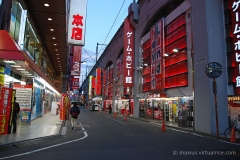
(155,65)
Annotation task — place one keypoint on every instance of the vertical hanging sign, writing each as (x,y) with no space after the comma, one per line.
(90,88)
(128,55)
(235,12)
(156,40)
(98,81)
(77,22)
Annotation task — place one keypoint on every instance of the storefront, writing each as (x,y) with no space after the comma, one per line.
(233,109)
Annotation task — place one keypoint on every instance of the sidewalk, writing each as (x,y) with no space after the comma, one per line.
(46,125)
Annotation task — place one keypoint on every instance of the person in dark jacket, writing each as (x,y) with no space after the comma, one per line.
(16,110)
(110,108)
(74,112)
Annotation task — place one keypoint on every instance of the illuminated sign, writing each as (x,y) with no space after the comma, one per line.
(90,88)
(98,81)
(156,41)
(236,38)
(128,55)
(77,22)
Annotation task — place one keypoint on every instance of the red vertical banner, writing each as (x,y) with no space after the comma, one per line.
(75,83)
(93,85)
(5,109)
(98,81)
(156,41)
(128,54)
(62,107)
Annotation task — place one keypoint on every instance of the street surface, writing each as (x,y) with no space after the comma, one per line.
(100,136)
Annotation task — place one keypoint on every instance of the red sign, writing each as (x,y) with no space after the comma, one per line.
(75,83)
(128,55)
(156,41)
(5,109)
(77,30)
(235,10)
(98,81)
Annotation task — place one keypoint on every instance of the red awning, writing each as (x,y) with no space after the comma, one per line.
(9,50)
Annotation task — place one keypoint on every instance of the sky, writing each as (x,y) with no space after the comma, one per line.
(104,17)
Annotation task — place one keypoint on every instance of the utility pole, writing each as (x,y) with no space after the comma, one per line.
(97,50)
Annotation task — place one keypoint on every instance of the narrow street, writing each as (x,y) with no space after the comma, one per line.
(101,136)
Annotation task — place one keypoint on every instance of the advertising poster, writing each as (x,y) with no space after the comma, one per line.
(5,109)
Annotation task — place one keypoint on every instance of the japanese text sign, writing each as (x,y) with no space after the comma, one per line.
(128,55)
(77,22)
(235,9)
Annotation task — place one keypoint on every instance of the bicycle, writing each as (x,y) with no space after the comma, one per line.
(228,131)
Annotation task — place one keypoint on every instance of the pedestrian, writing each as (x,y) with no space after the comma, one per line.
(110,108)
(16,110)
(74,112)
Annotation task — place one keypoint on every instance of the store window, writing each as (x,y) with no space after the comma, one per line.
(16,13)
(32,44)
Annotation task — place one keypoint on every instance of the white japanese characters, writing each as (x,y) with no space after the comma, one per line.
(128,54)
(236,38)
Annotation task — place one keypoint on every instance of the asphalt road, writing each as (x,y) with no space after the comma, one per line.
(102,137)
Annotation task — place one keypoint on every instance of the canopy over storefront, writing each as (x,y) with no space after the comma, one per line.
(9,50)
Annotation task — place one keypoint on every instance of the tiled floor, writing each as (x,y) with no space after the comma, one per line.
(47,125)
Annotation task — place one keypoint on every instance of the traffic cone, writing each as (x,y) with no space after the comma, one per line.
(163,126)
(114,115)
(125,118)
(233,138)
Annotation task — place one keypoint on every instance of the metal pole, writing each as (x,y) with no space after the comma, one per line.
(215,102)
(96,52)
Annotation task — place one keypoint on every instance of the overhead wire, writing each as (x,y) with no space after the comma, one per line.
(113,23)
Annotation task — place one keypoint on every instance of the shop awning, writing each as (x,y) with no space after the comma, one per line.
(9,50)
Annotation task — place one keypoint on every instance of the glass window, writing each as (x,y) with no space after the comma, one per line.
(16,14)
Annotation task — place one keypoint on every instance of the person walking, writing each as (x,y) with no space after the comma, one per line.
(74,112)
(110,108)
(16,110)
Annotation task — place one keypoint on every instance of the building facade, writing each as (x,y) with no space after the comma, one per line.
(174,41)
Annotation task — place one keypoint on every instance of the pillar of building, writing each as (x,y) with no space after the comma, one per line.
(209,43)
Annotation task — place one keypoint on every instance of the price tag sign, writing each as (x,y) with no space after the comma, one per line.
(213,70)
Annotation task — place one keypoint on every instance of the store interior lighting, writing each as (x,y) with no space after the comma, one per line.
(47,85)
(8,79)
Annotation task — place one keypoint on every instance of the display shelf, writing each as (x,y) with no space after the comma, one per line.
(23,97)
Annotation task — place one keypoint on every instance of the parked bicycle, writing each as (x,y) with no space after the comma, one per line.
(228,131)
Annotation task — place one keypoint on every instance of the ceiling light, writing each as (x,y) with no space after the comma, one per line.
(53,38)
(56,49)
(24,71)
(10,62)
(57,57)
(55,44)
(57,54)
(20,69)
(15,66)
(58,61)
(49,19)
(46,5)
(51,29)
